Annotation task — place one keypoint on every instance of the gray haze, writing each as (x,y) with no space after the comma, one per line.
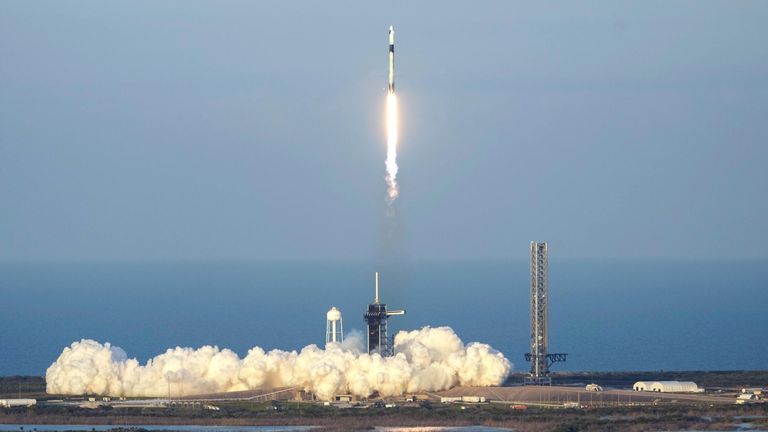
(253,130)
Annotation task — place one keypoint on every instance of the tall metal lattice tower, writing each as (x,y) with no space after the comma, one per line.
(376,319)
(539,356)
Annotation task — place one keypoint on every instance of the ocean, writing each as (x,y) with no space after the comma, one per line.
(608,315)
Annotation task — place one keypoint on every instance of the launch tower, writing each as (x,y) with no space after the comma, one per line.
(376,318)
(540,358)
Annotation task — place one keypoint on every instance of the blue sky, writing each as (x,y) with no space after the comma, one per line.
(254,130)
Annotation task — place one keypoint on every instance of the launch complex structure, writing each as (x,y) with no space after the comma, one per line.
(376,319)
(539,357)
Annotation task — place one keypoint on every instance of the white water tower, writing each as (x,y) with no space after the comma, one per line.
(334,328)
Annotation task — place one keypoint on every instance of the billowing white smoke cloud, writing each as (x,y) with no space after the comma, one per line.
(429,359)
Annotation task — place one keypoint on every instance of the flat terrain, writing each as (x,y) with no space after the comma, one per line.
(637,418)
(707,379)
(559,395)
(31,386)
(546,408)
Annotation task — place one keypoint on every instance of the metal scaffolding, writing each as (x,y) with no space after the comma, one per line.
(376,319)
(539,357)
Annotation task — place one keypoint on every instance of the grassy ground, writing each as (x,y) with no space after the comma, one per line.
(646,418)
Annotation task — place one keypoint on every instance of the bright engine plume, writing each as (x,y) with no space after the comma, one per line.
(391,162)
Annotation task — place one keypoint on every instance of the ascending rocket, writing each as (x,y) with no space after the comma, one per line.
(391,88)
(391,161)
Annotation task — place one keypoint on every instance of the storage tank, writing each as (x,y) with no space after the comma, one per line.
(334,327)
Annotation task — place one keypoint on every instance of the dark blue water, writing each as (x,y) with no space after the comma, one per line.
(609,315)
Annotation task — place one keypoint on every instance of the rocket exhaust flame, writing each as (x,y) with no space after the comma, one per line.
(391,162)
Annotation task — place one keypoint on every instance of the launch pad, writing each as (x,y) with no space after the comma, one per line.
(376,319)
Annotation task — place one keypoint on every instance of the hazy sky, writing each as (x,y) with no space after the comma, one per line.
(254,130)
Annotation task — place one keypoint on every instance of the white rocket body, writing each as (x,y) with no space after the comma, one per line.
(391,87)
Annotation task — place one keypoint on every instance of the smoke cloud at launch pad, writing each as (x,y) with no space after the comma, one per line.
(429,359)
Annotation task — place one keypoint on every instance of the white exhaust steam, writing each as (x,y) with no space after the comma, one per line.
(429,359)
(391,162)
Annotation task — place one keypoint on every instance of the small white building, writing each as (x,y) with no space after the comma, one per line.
(463,399)
(668,386)
(642,386)
(676,387)
(746,398)
(9,403)
(343,398)
(473,399)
